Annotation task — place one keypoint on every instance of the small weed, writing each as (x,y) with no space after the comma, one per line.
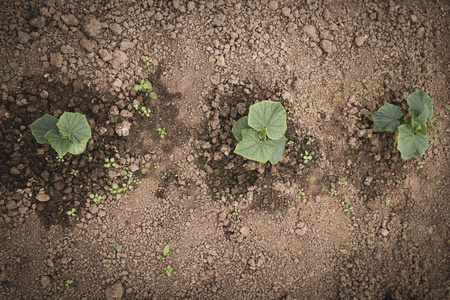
(147,86)
(71,212)
(347,206)
(419,167)
(301,195)
(168,270)
(74,172)
(164,176)
(145,168)
(438,182)
(32,180)
(97,198)
(6,69)
(343,251)
(337,97)
(148,63)
(59,158)
(161,131)
(180,176)
(61,211)
(310,109)
(306,157)
(113,247)
(333,192)
(145,112)
(311,178)
(310,142)
(290,143)
(447,107)
(68,283)
(110,162)
(20,138)
(56,288)
(408,227)
(236,212)
(165,252)
(367,98)
(387,201)
(156,165)
(437,125)
(341,180)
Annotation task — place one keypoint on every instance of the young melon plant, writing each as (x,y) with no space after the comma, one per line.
(68,134)
(412,135)
(261,133)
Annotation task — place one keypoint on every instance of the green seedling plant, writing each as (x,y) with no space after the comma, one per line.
(147,86)
(110,162)
(302,195)
(261,133)
(113,247)
(68,284)
(333,192)
(337,96)
(96,198)
(342,180)
(126,185)
(347,207)
(306,157)
(387,201)
(161,131)
(168,270)
(68,134)
(71,212)
(310,109)
(145,112)
(310,142)
(148,63)
(20,138)
(6,69)
(412,134)
(165,252)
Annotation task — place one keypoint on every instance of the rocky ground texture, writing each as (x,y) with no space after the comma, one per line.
(235,229)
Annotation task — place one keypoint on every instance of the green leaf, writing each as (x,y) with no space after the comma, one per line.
(278,150)
(43,125)
(153,95)
(417,102)
(147,85)
(58,142)
(386,118)
(137,88)
(74,126)
(270,115)
(420,122)
(166,250)
(251,147)
(240,125)
(411,144)
(78,148)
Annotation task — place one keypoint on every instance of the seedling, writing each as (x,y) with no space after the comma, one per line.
(337,97)
(165,252)
(145,168)
(311,178)
(343,251)
(438,182)
(68,134)
(341,180)
(180,176)
(236,212)
(97,198)
(20,138)
(147,86)
(56,288)
(301,195)
(156,165)
(333,192)
(145,112)
(113,247)
(419,167)
(168,270)
(347,206)
(126,185)
(310,142)
(110,162)
(148,62)
(71,212)
(306,157)
(387,201)
(68,283)
(412,134)
(290,143)
(261,133)
(409,227)
(6,69)
(162,132)
(309,109)
(74,172)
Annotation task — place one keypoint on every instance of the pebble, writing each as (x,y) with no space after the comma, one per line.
(92,28)
(56,59)
(123,129)
(384,232)
(327,46)
(45,281)
(114,292)
(42,197)
(105,55)
(117,83)
(126,44)
(23,37)
(301,231)
(70,20)
(359,41)
(215,79)
(310,32)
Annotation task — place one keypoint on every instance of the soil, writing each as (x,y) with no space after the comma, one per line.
(353,222)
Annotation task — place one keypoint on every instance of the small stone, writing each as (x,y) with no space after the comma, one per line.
(244,230)
(92,28)
(45,281)
(327,46)
(126,44)
(102,213)
(215,79)
(292,27)
(310,32)
(105,55)
(70,20)
(301,231)
(41,197)
(93,209)
(117,83)
(384,232)
(23,37)
(273,5)
(59,185)
(190,6)
(286,95)
(11,205)
(220,61)
(114,291)
(114,111)
(56,59)
(286,11)
(126,113)
(88,45)
(159,16)
(116,28)
(359,41)
(123,129)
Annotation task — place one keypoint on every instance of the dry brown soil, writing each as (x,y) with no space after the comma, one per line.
(235,230)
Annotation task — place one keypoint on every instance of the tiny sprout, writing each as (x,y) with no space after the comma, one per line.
(333,192)
(71,212)
(310,109)
(68,283)
(343,251)
(97,198)
(165,252)
(337,96)
(347,206)
(168,270)
(145,112)
(306,157)
(161,131)
(387,201)
(110,162)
